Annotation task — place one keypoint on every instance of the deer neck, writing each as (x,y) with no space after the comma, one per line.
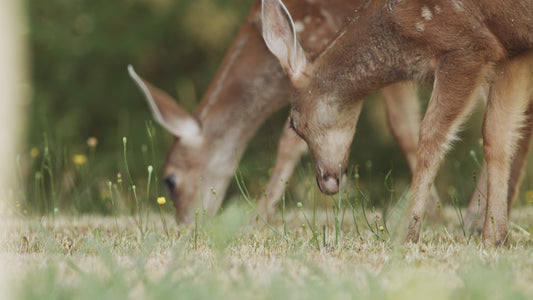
(368,55)
(240,99)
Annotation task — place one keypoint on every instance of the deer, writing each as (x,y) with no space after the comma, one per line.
(202,156)
(461,47)
(189,179)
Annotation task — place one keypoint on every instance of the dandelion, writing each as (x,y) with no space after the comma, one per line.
(79,159)
(92,142)
(161,201)
(34,152)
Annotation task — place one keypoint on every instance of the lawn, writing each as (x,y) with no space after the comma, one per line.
(103,257)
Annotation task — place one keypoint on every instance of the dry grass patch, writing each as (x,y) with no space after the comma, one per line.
(90,257)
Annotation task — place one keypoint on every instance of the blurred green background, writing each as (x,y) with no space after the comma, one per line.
(79,53)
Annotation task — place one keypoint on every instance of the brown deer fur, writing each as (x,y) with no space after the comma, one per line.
(453,43)
(248,88)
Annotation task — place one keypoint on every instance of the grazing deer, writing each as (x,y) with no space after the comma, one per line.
(458,45)
(248,88)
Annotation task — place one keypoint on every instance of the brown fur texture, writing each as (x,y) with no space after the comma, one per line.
(249,87)
(455,44)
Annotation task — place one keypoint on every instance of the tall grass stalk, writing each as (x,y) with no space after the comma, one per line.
(133,188)
(151,132)
(124,142)
(139,213)
(481,194)
(356,177)
(47,166)
(40,192)
(314,232)
(376,234)
(150,169)
(196,229)
(110,186)
(459,213)
(391,190)
(162,201)
(446,232)
(214,192)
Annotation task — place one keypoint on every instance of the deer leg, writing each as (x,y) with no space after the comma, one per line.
(290,148)
(403,117)
(451,101)
(519,161)
(505,115)
(475,215)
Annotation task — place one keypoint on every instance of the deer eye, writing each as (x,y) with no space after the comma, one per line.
(170,182)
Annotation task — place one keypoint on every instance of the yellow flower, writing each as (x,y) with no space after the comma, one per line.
(161,201)
(104,193)
(79,159)
(381,228)
(92,142)
(34,152)
(529,197)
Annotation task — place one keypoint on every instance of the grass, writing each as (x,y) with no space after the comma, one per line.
(90,257)
(127,246)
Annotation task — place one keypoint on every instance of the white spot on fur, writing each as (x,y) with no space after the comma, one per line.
(419,26)
(426,13)
(307,19)
(457,5)
(331,20)
(298,26)
(437,9)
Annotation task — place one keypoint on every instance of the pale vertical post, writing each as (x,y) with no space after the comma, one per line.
(14,95)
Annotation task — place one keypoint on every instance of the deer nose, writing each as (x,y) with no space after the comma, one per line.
(329,184)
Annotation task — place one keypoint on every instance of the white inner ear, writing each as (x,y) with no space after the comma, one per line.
(186,129)
(153,106)
(287,49)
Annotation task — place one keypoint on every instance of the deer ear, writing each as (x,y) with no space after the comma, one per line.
(167,111)
(280,37)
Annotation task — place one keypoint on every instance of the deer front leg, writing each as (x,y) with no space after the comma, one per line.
(451,101)
(505,115)
(290,148)
(403,117)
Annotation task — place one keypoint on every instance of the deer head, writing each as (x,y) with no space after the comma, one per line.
(184,161)
(317,115)
(249,86)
